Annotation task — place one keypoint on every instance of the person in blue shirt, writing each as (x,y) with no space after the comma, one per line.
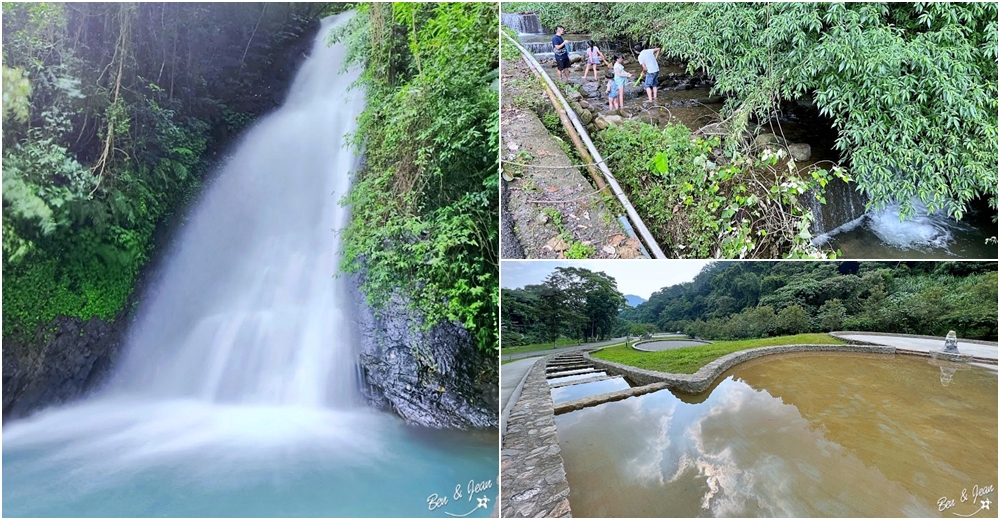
(561,53)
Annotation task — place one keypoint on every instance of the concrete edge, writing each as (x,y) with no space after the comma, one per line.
(706,375)
(635,346)
(514,396)
(838,334)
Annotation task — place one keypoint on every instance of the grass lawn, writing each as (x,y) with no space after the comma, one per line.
(688,360)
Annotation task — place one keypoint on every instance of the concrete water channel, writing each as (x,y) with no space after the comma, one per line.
(821,430)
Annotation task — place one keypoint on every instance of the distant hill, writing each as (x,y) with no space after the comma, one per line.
(633,300)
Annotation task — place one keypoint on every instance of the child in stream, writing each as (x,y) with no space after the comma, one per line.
(620,76)
(594,58)
(612,91)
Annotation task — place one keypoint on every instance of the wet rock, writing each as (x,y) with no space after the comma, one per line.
(800,151)
(606,120)
(765,140)
(66,360)
(575,58)
(710,100)
(436,378)
(584,103)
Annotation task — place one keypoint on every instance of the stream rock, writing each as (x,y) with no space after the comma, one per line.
(606,120)
(765,140)
(799,151)
(435,378)
(591,89)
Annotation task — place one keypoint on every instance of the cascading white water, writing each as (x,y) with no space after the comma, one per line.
(247,309)
(237,394)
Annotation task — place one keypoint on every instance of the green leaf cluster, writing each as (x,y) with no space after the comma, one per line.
(571,302)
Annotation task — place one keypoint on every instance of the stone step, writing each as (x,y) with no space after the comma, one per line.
(594,400)
(551,368)
(571,373)
(582,381)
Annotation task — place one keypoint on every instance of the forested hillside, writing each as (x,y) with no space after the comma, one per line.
(573,302)
(911,88)
(112,115)
(759,299)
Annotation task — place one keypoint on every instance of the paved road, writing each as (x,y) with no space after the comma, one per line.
(926,344)
(506,357)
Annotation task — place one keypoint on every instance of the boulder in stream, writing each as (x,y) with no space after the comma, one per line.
(799,151)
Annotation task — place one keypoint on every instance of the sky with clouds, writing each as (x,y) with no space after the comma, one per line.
(638,277)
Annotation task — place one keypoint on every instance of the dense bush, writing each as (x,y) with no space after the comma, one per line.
(424,207)
(109,110)
(700,204)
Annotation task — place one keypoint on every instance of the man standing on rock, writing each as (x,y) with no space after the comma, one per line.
(561,53)
(647,58)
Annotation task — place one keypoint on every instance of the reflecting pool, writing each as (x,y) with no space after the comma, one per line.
(805,434)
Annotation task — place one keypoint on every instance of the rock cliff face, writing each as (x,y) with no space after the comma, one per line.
(69,359)
(435,378)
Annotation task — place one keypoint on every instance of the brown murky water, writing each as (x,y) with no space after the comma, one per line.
(812,434)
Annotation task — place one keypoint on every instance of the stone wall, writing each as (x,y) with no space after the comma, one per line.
(532,475)
(701,380)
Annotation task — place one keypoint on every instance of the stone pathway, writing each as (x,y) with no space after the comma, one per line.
(511,377)
(977,349)
(531,466)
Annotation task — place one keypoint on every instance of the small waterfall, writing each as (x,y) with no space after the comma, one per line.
(844,210)
(523,23)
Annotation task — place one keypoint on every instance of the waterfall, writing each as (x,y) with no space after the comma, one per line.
(523,23)
(247,308)
(244,337)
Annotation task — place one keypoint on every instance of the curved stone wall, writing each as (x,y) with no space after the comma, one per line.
(701,380)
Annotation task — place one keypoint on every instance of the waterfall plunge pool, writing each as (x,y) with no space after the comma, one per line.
(129,457)
(805,434)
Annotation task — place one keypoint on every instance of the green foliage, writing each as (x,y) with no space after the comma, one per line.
(911,87)
(578,250)
(16,94)
(699,207)
(760,299)
(429,131)
(688,360)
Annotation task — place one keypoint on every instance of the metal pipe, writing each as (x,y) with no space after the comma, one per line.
(637,222)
